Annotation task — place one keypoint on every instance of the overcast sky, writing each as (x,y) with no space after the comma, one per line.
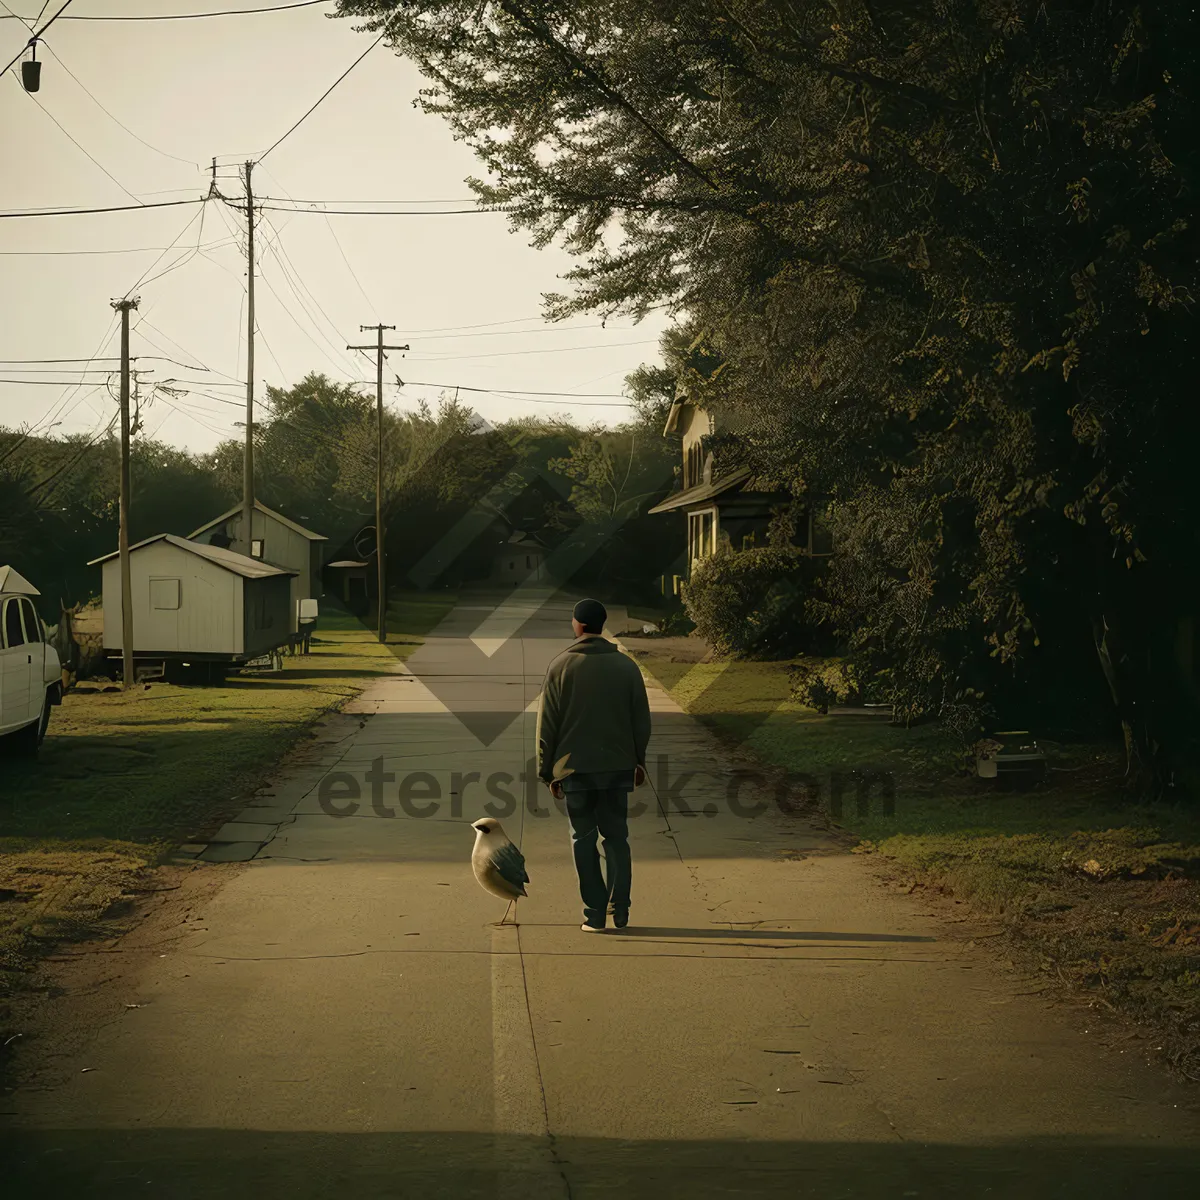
(229,87)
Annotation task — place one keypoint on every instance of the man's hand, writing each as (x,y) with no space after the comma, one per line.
(556,790)
(639,776)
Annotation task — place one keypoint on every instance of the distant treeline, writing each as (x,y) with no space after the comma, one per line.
(315,463)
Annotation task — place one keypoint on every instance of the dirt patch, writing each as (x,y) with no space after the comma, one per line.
(81,985)
(1129,948)
(50,895)
(672,649)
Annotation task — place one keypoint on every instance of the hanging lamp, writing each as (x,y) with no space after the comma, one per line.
(31,71)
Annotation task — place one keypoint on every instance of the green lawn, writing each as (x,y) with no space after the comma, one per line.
(123,776)
(1102,890)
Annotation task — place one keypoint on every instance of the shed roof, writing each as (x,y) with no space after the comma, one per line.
(270,512)
(239,564)
(11,580)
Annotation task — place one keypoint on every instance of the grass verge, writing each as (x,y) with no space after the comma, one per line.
(123,776)
(1100,893)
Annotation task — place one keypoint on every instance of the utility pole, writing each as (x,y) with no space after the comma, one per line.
(127,679)
(380,556)
(248,458)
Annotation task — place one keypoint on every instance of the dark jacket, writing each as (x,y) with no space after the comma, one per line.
(594,715)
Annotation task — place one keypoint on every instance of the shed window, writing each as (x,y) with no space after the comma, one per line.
(164,593)
(256,548)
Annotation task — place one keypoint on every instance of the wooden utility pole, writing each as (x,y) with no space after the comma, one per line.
(380,556)
(127,679)
(248,456)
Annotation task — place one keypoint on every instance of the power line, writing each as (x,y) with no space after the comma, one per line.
(527,332)
(87,153)
(187,258)
(512,393)
(37,33)
(198,16)
(288,269)
(285,199)
(381,212)
(80,212)
(324,95)
(116,120)
(129,250)
(337,242)
(173,245)
(550,350)
(46,382)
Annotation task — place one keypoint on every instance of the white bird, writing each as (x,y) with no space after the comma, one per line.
(498,864)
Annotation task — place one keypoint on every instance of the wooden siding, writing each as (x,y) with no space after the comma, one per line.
(208,619)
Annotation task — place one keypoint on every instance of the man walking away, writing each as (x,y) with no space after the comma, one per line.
(593,728)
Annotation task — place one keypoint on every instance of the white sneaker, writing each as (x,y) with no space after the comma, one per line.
(592,928)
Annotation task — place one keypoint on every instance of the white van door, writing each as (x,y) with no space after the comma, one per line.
(17,693)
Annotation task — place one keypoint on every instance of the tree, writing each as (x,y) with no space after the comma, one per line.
(942,257)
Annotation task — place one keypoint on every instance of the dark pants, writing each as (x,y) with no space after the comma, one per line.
(603,813)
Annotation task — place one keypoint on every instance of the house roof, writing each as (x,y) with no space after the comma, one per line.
(11,580)
(703,491)
(270,512)
(525,539)
(239,564)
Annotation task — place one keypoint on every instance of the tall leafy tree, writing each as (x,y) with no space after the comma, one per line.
(943,254)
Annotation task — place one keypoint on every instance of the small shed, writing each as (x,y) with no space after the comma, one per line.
(274,539)
(198,602)
(348,580)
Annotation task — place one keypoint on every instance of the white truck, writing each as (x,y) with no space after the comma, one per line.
(30,671)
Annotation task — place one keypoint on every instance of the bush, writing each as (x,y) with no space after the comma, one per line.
(676,623)
(751,603)
(820,682)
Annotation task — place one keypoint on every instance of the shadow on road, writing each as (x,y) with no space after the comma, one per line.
(770,935)
(197,1164)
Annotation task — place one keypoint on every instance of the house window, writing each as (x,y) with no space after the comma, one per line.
(702,535)
(256,548)
(528,562)
(693,465)
(164,593)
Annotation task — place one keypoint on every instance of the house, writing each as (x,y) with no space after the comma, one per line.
(519,558)
(717,506)
(196,602)
(276,540)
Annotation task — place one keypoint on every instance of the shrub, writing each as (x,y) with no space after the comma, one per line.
(751,603)
(820,682)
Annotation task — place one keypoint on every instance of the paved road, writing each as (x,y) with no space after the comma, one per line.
(342,1018)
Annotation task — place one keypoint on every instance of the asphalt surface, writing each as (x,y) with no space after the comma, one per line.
(343,1018)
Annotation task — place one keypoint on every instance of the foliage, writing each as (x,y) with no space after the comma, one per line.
(819,682)
(751,603)
(446,473)
(939,257)
(59,499)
